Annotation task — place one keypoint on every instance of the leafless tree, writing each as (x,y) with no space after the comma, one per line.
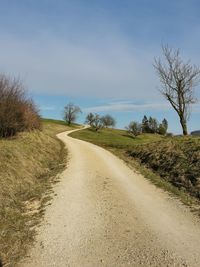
(97,122)
(71,112)
(90,119)
(108,121)
(178,80)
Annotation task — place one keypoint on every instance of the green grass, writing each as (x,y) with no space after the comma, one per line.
(115,138)
(59,122)
(160,159)
(29,164)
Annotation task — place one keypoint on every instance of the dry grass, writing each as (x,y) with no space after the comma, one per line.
(176,160)
(28,166)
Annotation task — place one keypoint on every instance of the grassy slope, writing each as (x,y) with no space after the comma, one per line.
(168,157)
(177,160)
(115,138)
(28,166)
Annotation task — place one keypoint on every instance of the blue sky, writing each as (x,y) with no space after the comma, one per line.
(98,54)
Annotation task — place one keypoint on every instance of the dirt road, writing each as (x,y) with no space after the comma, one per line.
(104,214)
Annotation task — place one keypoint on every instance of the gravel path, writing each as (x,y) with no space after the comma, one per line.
(104,214)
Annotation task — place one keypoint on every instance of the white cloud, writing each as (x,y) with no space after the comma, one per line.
(126,106)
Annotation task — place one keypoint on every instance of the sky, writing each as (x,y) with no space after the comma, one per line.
(98,54)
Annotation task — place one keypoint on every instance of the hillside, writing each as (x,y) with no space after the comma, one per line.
(177,160)
(29,164)
(197,133)
(170,162)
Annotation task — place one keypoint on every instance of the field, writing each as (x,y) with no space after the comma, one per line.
(172,163)
(114,138)
(29,164)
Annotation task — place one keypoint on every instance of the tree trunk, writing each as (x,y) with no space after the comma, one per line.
(184,126)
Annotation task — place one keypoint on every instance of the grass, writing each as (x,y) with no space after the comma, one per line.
(168,162)
(114,138)
(47,121)
(29,164)
(176,160)
(59,122)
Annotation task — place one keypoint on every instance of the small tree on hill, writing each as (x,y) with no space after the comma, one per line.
(145,125)
(163,127)
(71,112)
(90,119)
(108,121)
(134,128)
(97,122)
(153,125)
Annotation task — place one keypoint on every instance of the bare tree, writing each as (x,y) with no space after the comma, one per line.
(97,122)
(71,112)
(108,121)
(178,79)
(90,119)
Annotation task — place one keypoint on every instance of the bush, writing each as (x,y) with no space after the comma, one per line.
(17,111)
(134,128)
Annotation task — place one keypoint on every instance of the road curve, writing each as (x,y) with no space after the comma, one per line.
(104,214)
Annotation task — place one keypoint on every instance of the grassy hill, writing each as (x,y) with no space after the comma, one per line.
(114,138)
(196,133)
(172,163)
(29,164)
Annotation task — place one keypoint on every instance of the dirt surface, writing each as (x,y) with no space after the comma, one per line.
(104,214)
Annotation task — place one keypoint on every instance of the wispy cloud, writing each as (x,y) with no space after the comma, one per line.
(126,106)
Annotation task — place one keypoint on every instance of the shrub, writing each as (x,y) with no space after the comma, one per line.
(17,111)
(134,128)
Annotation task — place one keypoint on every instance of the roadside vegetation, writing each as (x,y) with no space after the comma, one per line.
(172,163)
(29,164)
(176,160)
(18,112)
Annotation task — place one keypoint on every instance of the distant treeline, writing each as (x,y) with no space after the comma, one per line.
(97,122)
(148,125)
